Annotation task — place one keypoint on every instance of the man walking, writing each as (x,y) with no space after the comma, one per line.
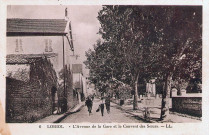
(102,106)
(89,104)
(107,104)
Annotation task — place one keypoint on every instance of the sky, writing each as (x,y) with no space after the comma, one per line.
(85,25)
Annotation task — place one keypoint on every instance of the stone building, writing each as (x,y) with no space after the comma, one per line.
(42,47)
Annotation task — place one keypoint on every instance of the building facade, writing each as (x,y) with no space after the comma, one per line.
(79,81)
(43,68)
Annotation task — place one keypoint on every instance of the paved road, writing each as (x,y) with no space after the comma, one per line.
(115,116)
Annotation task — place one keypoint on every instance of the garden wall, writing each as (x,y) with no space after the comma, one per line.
(32,100)
(187,104)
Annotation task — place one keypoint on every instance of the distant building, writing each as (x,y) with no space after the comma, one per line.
(79,81)
(151,87)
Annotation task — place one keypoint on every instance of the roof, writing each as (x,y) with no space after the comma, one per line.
(26,58)
(36,27)
(77,68)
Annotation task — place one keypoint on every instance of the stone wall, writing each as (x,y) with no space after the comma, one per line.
(187,105)
(32,100)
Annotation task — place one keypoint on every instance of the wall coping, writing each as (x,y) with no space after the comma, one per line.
(190,95)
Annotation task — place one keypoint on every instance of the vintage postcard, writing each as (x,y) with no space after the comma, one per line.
(104,68)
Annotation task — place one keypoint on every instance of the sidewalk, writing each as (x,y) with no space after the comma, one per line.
(56,118)
(155,113)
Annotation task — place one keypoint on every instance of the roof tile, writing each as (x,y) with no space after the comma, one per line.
(36,25)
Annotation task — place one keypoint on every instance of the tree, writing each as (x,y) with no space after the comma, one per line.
(163,41)
(129,29)
(141,42)
(99,63)
(178,50)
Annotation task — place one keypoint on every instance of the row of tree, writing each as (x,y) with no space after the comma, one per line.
(141,42)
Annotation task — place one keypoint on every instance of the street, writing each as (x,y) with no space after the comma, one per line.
(115,116)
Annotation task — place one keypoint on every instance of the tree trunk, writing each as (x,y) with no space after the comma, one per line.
(135,102)
(165,98)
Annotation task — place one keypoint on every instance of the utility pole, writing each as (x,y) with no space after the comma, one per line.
(64,76)
(65,96)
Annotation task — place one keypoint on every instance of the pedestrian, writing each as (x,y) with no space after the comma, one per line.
(107,104)
(89,104)
(102,106)
(92,97)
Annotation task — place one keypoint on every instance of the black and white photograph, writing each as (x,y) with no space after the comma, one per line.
(103,64)
(104,68)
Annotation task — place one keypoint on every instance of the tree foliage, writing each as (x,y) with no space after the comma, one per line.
(141,42)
